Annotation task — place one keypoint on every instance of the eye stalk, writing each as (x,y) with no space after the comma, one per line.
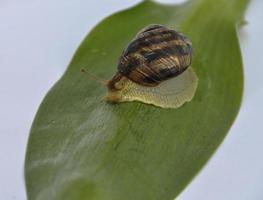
(94,77)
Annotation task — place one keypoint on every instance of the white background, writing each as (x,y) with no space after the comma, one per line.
(37,41)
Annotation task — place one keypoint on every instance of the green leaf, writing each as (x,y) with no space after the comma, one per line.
(82,148)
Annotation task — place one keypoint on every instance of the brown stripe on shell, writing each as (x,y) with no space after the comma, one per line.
(151,27)
(163,63)
(155,39)
(145,76)
(174,50)
(169,73)
(128,64)
(147,33)
(162,32)
(136,45)
(161,69)
(162,45)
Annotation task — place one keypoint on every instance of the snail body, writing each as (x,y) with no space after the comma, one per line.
(155,68)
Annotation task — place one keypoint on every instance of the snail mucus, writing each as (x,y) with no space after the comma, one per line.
(155,68)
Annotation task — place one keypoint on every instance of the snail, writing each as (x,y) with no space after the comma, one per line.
(155,68)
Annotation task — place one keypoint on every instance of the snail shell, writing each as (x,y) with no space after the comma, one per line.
(155,69)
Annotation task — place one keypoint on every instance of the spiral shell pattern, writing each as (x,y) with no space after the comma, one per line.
(156,54)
